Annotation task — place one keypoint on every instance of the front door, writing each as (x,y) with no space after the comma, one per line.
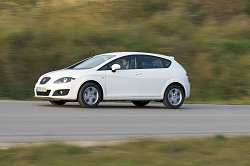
(123,84)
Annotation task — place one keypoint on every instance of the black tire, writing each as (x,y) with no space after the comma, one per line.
(57,102)
(173,97)
(140,103)
(89,95)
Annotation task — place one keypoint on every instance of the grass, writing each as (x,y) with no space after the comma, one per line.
(218,150)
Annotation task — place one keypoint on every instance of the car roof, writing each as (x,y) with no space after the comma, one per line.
(120,54)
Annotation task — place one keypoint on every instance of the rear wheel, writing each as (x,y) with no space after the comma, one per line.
(140,103)
(89,95)
(57,102)
(174,97)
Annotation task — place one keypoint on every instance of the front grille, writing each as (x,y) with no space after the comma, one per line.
(44,80)
(43,93)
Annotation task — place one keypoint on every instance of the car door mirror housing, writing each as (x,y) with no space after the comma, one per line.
(115,67)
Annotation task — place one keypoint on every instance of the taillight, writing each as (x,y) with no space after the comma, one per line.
(187,74)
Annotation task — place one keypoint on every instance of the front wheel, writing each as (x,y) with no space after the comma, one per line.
(140,103)
(89,95)
(173,97)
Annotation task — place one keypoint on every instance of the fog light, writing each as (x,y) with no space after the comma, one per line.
(61,92)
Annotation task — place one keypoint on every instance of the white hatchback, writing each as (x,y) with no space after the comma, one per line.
(119,76)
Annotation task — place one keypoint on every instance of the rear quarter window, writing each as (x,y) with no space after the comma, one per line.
(166,63)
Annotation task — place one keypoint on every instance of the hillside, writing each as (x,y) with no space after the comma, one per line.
(211,39)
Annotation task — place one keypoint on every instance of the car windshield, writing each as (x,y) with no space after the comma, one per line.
(91,62)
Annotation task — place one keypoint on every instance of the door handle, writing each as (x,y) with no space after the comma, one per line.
(137,73)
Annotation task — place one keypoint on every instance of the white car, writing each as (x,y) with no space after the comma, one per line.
(119,76)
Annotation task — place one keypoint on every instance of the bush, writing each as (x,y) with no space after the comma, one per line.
(247,7)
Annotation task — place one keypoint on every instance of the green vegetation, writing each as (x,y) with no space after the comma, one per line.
(219,151)
(211,39)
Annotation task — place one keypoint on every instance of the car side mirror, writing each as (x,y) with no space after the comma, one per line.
(115,67)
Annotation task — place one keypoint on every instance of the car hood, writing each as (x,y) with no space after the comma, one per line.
(65,73)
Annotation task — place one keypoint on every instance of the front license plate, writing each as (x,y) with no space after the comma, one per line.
(41,89)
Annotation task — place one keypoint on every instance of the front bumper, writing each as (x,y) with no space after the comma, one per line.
(51,91)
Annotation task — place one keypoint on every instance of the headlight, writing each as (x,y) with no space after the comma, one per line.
(64,80)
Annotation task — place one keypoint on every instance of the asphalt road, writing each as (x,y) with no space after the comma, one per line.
(22,121)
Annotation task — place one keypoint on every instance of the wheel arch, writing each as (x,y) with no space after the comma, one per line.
(90,81)
(177,82)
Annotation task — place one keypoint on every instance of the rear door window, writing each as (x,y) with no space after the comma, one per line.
(150,62)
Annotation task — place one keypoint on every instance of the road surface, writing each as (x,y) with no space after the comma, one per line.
(27,121)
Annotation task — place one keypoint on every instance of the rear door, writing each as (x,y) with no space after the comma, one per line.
(154,76)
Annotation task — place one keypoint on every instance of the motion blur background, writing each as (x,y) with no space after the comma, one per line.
(210,38)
